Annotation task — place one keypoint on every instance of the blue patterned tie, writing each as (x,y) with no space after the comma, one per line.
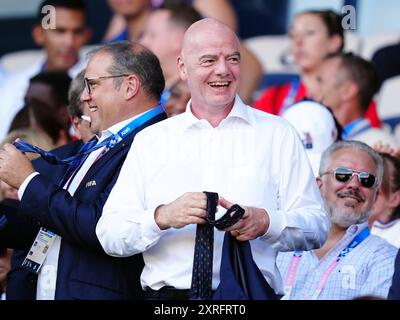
(50,157)
(76,164)
(73,162)
(201,287)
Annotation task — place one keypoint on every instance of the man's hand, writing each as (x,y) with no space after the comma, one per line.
(386,148)
(190,208)
(15,167)
(254,223)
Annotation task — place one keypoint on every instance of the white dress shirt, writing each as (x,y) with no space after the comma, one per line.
(47,278)
(252,158)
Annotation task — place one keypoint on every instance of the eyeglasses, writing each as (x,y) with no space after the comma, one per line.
(89,81)
(343,175)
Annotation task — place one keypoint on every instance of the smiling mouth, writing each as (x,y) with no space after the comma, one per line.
(351,196)
(93,108)
(219,84)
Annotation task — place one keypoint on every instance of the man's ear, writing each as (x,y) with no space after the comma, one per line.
(38,35)
(335,43)
(182,69)
(394,199)
(132,86)
(350,90)
(319,182)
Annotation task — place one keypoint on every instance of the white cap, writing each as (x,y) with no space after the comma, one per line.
(316,127)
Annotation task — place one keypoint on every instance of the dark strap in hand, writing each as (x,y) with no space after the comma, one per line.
(201,287)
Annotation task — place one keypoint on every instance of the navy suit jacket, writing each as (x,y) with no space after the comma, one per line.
(85,271)
(21,284)
(394,291)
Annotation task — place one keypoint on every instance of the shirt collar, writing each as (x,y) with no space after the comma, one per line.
(352,128)
(239,111)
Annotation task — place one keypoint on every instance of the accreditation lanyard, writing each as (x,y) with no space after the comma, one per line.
(126,130)
(355,128)
(45,238)
(291,97)
(297,255)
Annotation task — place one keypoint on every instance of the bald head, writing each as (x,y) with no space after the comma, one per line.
(205,30)
(210,63)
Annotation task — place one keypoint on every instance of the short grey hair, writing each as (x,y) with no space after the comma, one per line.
(357,145)
(75,106)
(133,58)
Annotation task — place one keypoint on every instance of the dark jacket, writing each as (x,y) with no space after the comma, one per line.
(85,271)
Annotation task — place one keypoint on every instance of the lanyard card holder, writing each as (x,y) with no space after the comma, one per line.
(39,250)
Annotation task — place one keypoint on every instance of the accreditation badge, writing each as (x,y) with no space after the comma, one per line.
(39,250)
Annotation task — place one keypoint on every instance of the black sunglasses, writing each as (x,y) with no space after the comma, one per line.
(343,174)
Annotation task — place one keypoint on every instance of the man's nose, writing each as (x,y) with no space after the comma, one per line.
(354,182)
(222,67)
(85,96)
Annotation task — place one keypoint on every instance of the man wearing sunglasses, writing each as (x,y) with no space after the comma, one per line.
(352,262)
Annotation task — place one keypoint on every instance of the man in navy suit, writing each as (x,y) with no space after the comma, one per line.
(21,284)
(123,86)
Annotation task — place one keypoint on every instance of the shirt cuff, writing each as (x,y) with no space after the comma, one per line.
(277,223)
(24,184)
(152,230)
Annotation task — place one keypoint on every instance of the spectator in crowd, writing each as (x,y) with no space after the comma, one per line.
(61,46)
(352,262)
(347,84)
(385,220)
(178,99)
(163,35)
(123,85)
(314,35)
(79,113)
(316,126)
(128,21)
(51,88)
(42,117)
(221,145)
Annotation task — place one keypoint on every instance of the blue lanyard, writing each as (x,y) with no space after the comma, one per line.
(354,243)
(110,142)
(165,96)
(356,127)
(290,98)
